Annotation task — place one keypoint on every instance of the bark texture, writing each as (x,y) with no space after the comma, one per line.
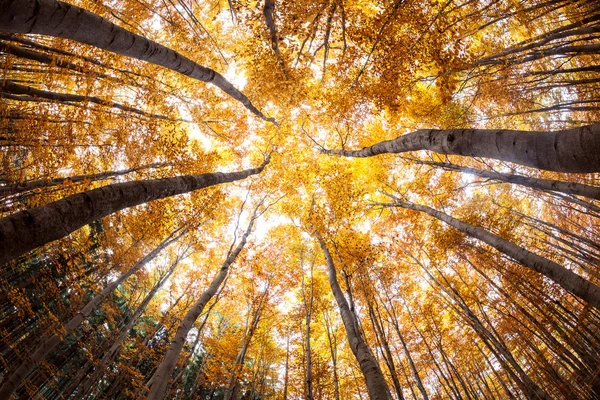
(376,384)
(567,279)
(28,229)
(55,18)
(574,150)
(160,379)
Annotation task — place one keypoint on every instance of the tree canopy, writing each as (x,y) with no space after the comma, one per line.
(332,199)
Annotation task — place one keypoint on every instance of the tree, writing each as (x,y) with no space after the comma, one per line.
(464,265)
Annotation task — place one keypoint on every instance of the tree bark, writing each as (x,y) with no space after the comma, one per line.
(27,93)
(376,384)
(52,340)
(579,189)
(55,18)
(161,376)
(568,280)
(28,229)
(575,150)
(43,183)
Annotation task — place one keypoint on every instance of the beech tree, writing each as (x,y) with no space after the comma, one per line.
(433,175)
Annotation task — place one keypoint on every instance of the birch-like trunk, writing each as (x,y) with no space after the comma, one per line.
(160,379)
(575,150)
(55,18)
(567,279)
(31,361)
(376,385)
(28,229)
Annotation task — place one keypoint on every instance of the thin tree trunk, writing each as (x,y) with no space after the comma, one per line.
(579,189)
(43,183)
(231,391)
(124,332)
(33,94)
(564,277)
(574,150)
(308,304)
(28,229)
(376,384)
(161,376)
(51,341)
(55,18)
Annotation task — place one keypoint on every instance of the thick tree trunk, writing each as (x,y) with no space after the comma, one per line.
(161,376)
(574,150)
(376,384)
(51,341)
(55,18)
(564,277)
(26,230)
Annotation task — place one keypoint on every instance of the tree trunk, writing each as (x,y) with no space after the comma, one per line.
(161,376)
(579,189)
(574,150)
(124,332)
(51,341)
(564,277)
(231,391)
(376,384)
(27,93)
(308,304)
(43,183)
(28,229)
(55,18)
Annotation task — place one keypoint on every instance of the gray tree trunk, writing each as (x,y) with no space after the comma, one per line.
(28,229)
(574,150)
(55,18)
(578,189)
(376,384)
(160,379)
(564,277)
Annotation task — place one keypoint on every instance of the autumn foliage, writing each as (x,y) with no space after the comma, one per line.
(304,199)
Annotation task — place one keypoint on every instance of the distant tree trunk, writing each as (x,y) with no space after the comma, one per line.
(28,229)
(579,189)
(124,332)
(44,183)
(387,355)
(287,368)
(27,93)
(332,341)
(55,18)
(163,372)
(308,303)
(231,391)
(376,384)
(50,342)
(574,150)
(564,277)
